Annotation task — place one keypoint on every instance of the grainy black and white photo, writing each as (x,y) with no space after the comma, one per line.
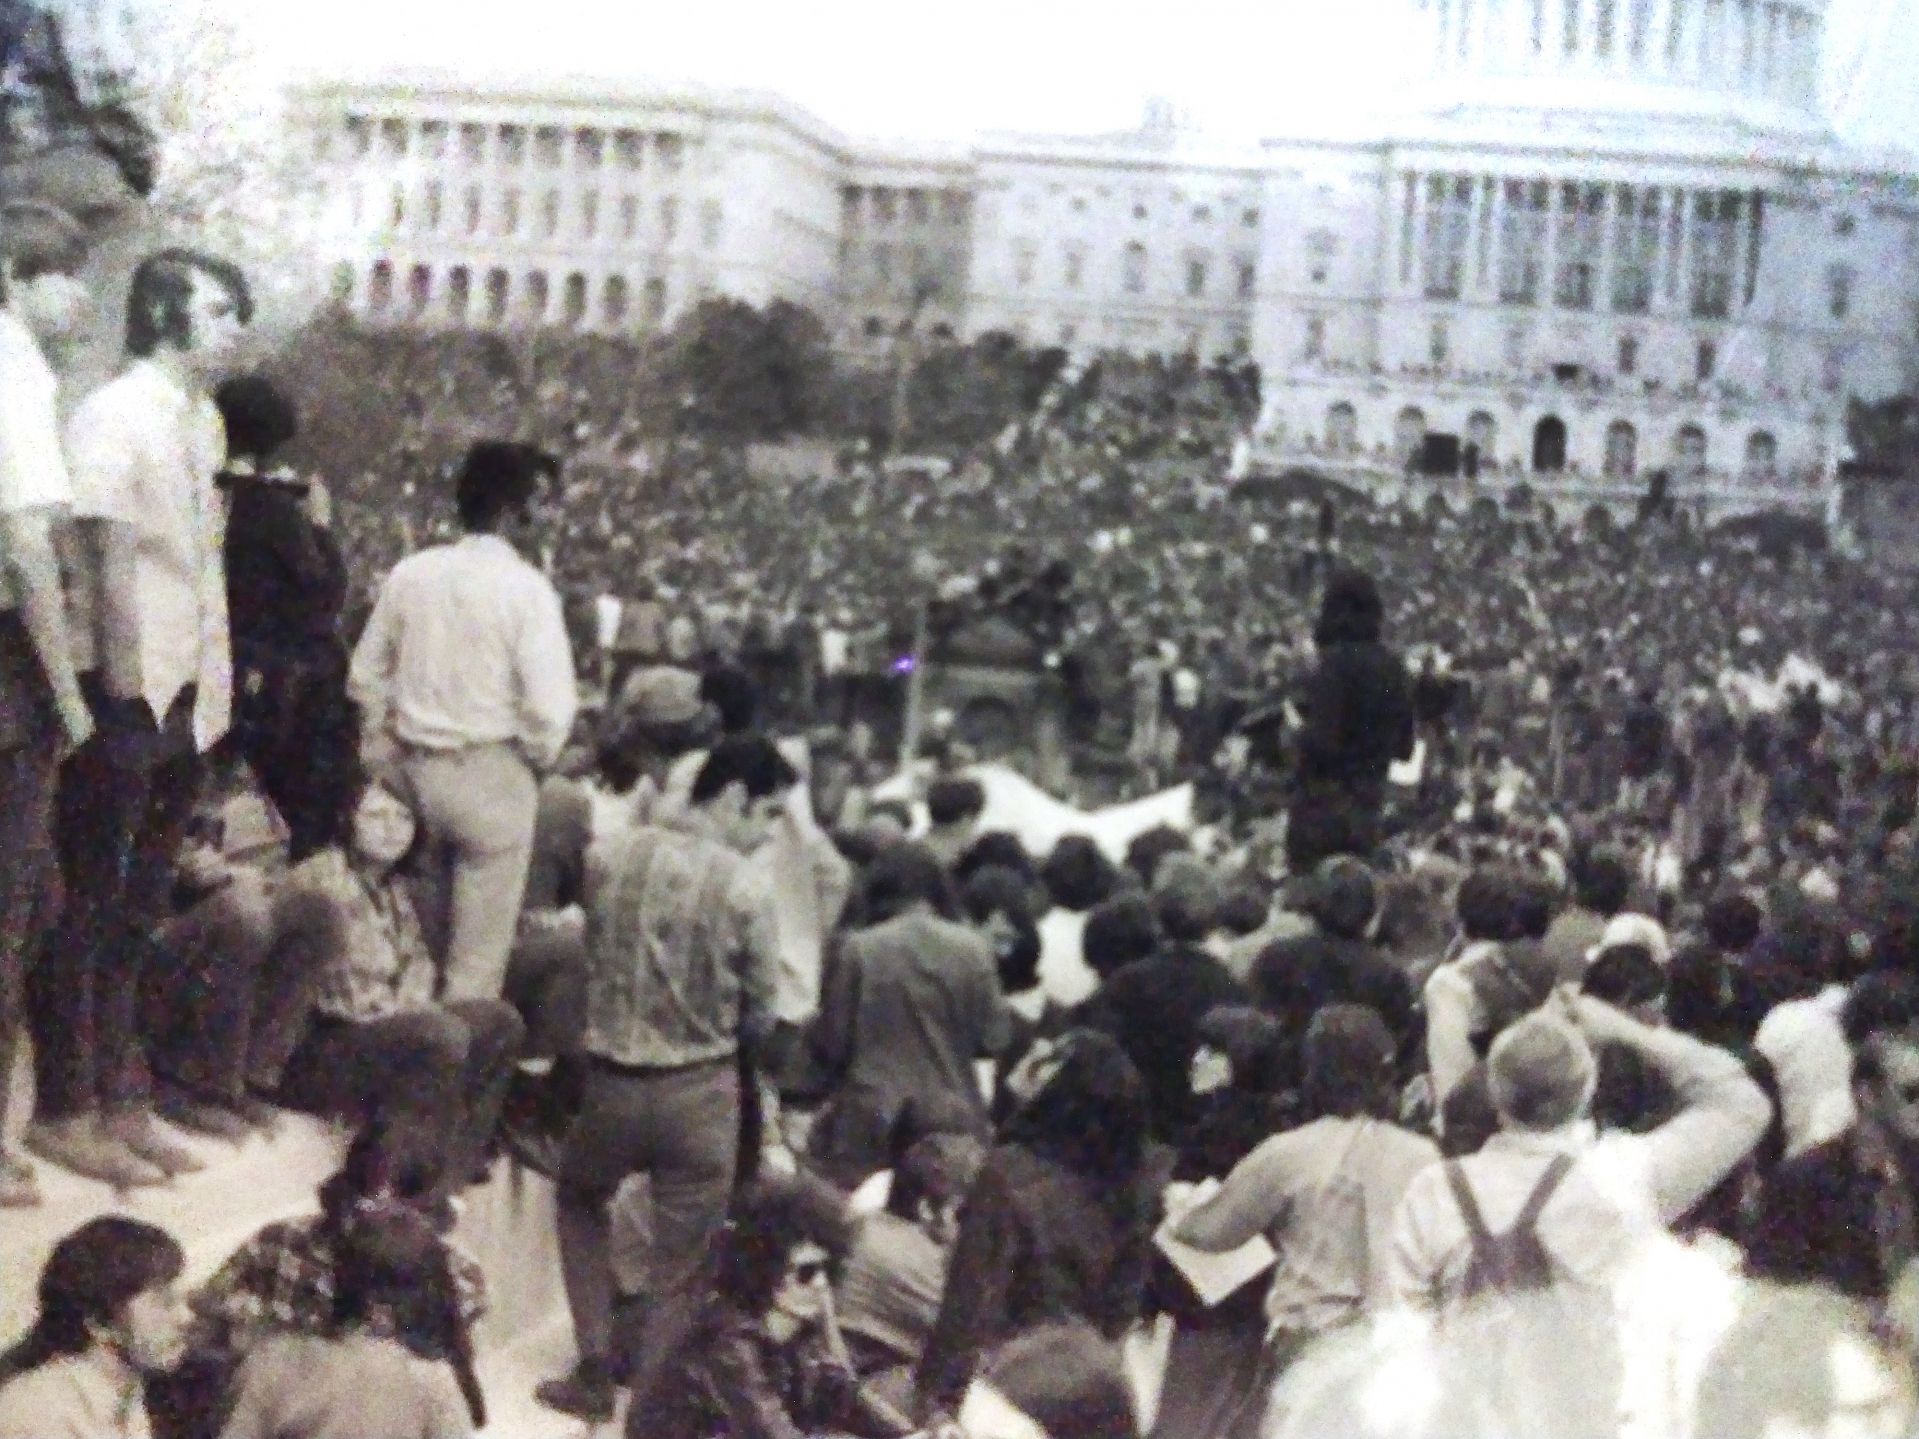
(1016,721)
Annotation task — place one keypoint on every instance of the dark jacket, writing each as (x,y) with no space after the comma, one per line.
(286,581)
(1152,1009)
(1037,1242)
(730,1380)
(1345,971)
(1816,1223)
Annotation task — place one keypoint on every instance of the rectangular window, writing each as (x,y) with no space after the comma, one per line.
(1195,277)
(630,147)
(1581,210)
(1449,209)
(629,217)
(1075,266)
(1522,241)
(1706,361)
(1025,256)
(1607,20)
(472,143)
(1675,238)
(1315,337)
(1571,37)
(669,219)
(1439,344)
(1408,212)
(589,147)
(550,214)
(1245,279)
(512,144)
(1133,275)
(1715,258)
(1839,291)
(590,214)
(433,139)
(548,146)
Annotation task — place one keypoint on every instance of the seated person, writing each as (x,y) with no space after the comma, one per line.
(888,1292)
(1058,1381)
(110,1317)
(394,1360)
(764,1359)
(378,1042)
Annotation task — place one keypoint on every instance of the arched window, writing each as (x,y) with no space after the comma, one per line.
(1549,445)
(498,291)
(1762,454)
(613,300)
(379,292)
(1689,448)
(1482,443)
(573,301)
(536,296)
(419,290)
(655,301)
(1622,450)
(1134,274)
(459,292)
(1342,428)
(1409,433)
(343,283)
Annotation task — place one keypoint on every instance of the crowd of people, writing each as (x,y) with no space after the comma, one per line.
(1525,1038)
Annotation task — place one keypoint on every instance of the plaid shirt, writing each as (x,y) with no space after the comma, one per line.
(281,1280)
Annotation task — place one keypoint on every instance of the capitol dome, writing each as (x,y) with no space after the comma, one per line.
(1745,64)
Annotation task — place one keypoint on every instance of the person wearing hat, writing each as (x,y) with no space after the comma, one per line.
(657,719)
(42,712)
(465,674)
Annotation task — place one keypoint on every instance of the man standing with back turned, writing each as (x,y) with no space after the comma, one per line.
(465,674)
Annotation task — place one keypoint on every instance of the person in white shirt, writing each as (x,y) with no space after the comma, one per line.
(112,1314)
(42,713)
(465,676)
(148,589)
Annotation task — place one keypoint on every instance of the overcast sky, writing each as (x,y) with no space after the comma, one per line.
(948,71)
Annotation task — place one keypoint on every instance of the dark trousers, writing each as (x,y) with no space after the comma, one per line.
(680,1128)
(298,732)
(224,1006)
(447,1066)
(29,873)
(124,801)
(546,981)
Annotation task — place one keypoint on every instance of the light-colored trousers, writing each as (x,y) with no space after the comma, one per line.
(477,806)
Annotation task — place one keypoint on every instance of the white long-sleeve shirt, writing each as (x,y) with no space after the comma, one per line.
(467,646)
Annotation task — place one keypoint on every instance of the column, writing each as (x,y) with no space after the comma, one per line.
(1549,250)
(1444,49)
(1417,250)
(1487,193)
(1608,251)
(1589,32)
(1682,292)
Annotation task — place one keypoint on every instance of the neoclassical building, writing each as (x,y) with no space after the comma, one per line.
(1589,239)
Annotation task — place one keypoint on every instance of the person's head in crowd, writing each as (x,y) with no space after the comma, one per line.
(500,486)
(1244,908)
(1150,848)
(259,417)
(1486,904)
(775,1259)
(111,1288)
(1082,1104)
(1239,1048)
(188,306)
(1534,905)
(1350,610)
(930,1182)
(42,252)
(734,697)
(1881,1024)
(742,788)
(1348,1063)
(1059,1381)
(389,1161)
(1627,976)
(656,716)
(1732,921)
(1002,849)
(1078,875)
(892,815)
(903,877)
(1340,898)
(392,1278)
(1119,932)
(1541,1074)
(999,903)
(1602,880)
(1803,1363)
(1185,900)
(1801,949)
(385,833)
(954,804)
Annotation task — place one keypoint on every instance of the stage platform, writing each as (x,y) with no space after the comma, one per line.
(507,1224)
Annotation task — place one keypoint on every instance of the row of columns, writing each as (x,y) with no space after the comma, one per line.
(1670,263)
(625,149)
(1760,47)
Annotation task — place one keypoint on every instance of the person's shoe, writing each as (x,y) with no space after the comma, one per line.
(135,1130)
(19,1188)
(587,1393)
(202,1116)
(79,1146)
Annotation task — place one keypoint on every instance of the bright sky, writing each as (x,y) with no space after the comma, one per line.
(947,71)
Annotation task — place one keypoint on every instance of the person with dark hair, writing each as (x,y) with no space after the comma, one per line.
(1356,719)
(997,903)
(1326,1195)
(954,805)
(1822,1214)
(764,1358)
(1148,848)
(286,589)
(42,711)
(1078,875)
(111,1317)
(465,675)
(1058,1224)
(1056,1381)
(378,1041)
(889,1291)
(682,950)
(148,587)
(734,697)
(999,849)
(1602,887)
(911,1005)
(394,1361)
(1122,931)
(1708,991)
